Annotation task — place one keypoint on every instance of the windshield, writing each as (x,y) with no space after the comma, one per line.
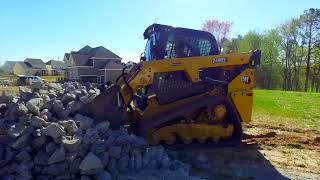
(179,46)
(147,51)
(151,51)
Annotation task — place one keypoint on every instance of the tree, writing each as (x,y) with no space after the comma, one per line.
(1,71)
(311,33)
(271,66)
(250,41)
(315,70)
(232,45)
(291,61)
(220,29)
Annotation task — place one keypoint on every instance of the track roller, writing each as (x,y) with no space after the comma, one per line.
(171,139)
(188,132)
(186,140)
(202,140)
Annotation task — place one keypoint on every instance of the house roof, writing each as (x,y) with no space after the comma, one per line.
(86,55)
(7,66)
(10,63)
(35,63)
(67,55)
(79,59)
(85,50)
(99,52)
(103,52)
(111,64)
(55,63)
(25,65)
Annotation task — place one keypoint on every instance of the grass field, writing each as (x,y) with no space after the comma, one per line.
(10,89)
(291,109)
(51,78)
(15,89)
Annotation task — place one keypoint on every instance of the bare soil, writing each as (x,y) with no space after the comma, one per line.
(266,152)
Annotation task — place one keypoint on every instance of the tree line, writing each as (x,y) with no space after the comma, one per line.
(290,52)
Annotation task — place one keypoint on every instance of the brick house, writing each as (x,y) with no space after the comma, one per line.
(96,65)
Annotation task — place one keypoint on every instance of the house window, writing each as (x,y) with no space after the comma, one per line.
(89,63)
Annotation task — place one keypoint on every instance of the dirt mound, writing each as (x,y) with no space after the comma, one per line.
(265,135)
(273,139)
(281,128)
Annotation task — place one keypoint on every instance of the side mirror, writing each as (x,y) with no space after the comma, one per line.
(256,58)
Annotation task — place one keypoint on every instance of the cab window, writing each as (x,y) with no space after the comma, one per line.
(179,46)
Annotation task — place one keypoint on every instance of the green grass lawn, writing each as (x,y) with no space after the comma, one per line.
(10,89)
(293,109)
(51,78)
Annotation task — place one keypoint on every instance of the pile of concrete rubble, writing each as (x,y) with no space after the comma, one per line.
(43,137)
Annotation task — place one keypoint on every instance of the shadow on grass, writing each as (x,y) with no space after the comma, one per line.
(225,162)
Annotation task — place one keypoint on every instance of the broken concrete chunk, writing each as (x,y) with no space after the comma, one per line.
(34,105)
(36,86)
(70,126)
(90,162)
(57,156)
(66,98)
(71,145)
(103,127)
(84,121)
(38,142)
(16,130)
(103,176)
(51,147)
(55,86)
(41,158)
(19,109)
(70,88)
(115,152)
(38,122)
(23,140)
(53,130)
(23,156)
(57,106)
(91,136)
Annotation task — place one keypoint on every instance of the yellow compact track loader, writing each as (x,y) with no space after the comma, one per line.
(182,89)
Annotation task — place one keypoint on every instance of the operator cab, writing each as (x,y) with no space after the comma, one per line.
(166,42)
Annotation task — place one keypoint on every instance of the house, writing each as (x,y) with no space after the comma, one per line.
(31,67)
(7,67)
(89,64)
(22,68)
(55,67)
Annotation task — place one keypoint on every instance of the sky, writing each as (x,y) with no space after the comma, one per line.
(47,29)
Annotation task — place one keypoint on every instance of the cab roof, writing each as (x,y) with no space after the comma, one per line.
(184,31)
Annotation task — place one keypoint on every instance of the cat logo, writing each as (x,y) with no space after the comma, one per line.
(219,60)
(245,79)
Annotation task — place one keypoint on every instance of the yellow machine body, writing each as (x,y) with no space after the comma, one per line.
(239,94)
(193,97)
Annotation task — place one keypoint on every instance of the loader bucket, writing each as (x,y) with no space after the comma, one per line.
(105,107)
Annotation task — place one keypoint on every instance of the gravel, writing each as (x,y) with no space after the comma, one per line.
(43,137)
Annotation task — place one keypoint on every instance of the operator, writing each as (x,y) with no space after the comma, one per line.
(180,44)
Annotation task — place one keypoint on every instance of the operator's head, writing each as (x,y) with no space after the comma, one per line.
(180,44)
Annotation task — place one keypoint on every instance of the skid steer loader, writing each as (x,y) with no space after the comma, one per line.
(181,89)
